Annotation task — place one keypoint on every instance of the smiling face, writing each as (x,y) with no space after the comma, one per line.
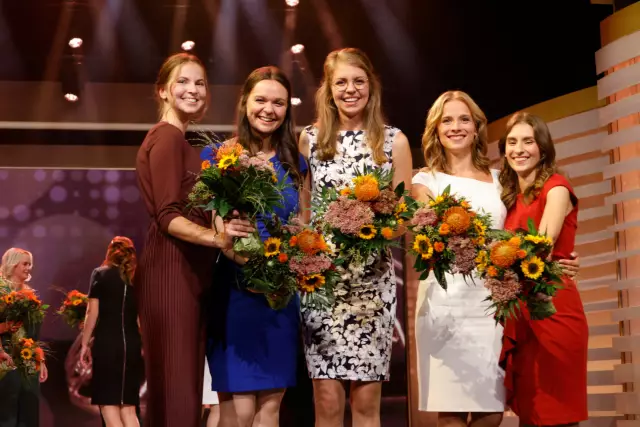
(267,105)
(521,149)
(22,270)
(350,89)
(186,92)
(457,130)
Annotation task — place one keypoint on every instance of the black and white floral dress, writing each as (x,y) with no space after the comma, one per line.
(352,340)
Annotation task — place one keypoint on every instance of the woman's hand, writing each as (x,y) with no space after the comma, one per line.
(5,357)
(44,372)
(10,326)
(571,267)
(85,357)
(229,253)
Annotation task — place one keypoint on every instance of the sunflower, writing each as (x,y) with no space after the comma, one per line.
(387,233)
(481,229)
(481,261)
(538,239)
(9,299)
(227,161)
(503,254)
(422,245)
(26,353)
(366,188)
(436,201)
(229,149)
(311,282)
(458,219)
(400,209)
(367,232)
(533,267)
(272,246)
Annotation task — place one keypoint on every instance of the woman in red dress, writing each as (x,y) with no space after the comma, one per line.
(180,248)
(545,360)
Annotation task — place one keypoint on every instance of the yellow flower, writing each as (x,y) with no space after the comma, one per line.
(77,302)
(422,246)
(481,229)
(534,239)
(515,241)
(367,232)
(401,208)
(464,204)
(345,191)
(226,161)
(274,178)
(26,353)
(272,246)
(533,267)
(481,260)
(311,282)
(400,221)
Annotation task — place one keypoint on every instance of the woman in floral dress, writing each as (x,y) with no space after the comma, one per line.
(351,342)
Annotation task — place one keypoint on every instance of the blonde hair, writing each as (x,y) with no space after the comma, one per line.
(545,168)
(11,259)
(167,78)
(434,153)
(328,122)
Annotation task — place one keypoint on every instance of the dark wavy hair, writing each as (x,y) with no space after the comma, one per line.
(122,254)
(545,168)
(283,139)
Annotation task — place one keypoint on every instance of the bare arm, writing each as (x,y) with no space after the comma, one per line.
(557,207)
(403,168)
(421,193)
(90,320)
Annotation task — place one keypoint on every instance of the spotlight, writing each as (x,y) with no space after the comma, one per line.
(296,101)
(297,48)
(71,97)
(188,45)
(75,42)
(292,3)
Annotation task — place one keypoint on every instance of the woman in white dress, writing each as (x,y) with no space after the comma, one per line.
(210,398)
(458,343)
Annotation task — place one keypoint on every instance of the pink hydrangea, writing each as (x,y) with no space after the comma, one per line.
(503,291)
(309,264)
(424,217)
(348,215)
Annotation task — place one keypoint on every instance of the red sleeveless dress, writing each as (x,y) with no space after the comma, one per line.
(546,360)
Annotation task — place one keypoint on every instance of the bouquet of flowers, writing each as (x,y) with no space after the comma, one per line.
(230,179)
(447,236)
(74,308)
(23,306)
(27,356)
(294,259)
(516,267)
(361,218)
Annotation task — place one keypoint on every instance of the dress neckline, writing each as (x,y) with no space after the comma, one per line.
(493,179)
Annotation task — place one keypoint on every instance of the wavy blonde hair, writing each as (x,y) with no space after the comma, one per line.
(434,153)
(545,168)
(328,121)
(10,259)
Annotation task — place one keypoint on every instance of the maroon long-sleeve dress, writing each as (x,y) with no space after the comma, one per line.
(170,281)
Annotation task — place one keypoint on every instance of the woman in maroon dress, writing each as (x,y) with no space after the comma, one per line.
(545,360)
(175,266)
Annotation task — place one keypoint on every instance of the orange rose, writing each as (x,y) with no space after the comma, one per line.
(205,165)
(492,271)
(438,246)
(283,257)
(444,230)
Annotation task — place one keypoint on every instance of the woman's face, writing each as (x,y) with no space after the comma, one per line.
(457,130)
(187,93)
(521,149)
(267,106)
(22,270)
(350,89)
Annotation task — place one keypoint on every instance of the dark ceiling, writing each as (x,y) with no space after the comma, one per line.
(506,54)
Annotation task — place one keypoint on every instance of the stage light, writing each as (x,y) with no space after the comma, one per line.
(188,45)
(296,101)
(292,3)
(71,97)
(297,48)
(75,42)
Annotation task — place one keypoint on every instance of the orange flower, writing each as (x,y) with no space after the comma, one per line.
(458,219)
(515,241)
(492,271)
(444,230)
(26,342)
(438,246)
(366,188)
(39,354)
(521,253)
(503,254)
(387,232)
(205,165)
(345,191)
(229,149)
(464,204)
(310,242)
(283,257)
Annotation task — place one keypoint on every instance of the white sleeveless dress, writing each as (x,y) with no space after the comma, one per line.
(458,342)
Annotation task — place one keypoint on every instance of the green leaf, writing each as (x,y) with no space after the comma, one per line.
(223,208)
(440,277)
(399,189)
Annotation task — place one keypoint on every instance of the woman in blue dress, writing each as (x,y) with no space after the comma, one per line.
(252,349)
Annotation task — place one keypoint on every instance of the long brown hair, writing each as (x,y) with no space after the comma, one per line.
(283,140)
(434,154)
(169,73)
(328,122)
(122,254)
(545,168)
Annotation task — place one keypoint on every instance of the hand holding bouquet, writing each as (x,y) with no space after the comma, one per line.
(364,217)
(516,267)
(74,308)
(28,356)
(294,259)
(231,179)
(23,306)
(447,237)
